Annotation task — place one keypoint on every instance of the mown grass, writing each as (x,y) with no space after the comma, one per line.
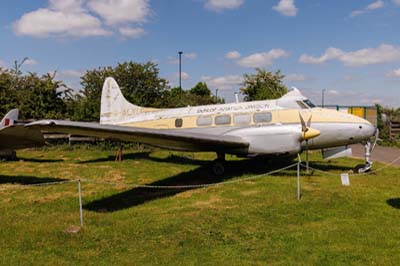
(255,222)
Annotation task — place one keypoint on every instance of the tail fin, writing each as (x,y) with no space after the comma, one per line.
(114,107)
(10,118)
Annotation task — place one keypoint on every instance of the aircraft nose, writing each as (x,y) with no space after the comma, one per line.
(367,130)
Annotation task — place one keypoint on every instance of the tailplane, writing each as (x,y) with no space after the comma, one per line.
(10,118)
(114,107)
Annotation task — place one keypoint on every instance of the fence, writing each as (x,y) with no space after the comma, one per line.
(369,113)
(394,129)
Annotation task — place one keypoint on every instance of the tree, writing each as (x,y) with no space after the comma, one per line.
(139,84)
(35,96)
(201,89)
(263,85)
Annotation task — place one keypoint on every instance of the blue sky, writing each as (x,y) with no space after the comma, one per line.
(349,48)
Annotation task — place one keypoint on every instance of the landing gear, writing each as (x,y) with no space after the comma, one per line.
(218,167)
(369,148)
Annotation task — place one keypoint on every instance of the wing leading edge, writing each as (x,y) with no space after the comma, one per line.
(178,140)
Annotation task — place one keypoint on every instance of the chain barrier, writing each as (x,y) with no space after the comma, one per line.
(194,186)
(151,186)
(367,173)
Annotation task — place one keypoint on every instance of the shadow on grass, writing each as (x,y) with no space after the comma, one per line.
(27,180)
(146,156)
(35,160)
(329,167)
(394,202)
(200,175)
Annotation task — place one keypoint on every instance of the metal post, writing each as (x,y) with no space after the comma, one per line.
(307,164)
(80,202)
(180,69)
(298,181)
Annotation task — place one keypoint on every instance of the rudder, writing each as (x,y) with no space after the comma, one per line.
(114,107)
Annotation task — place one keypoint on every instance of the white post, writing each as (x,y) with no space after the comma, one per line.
(80,202)
(298,181)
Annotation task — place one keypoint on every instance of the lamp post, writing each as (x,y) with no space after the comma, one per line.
(180,69)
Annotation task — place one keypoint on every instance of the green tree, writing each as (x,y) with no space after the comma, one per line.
(201,89)
(140,84)
(263,85)
(35,96)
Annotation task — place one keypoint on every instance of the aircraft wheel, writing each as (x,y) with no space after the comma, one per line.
(218,168)
(361,168)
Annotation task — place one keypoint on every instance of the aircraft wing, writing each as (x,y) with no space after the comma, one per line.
(19,137)
(171,139)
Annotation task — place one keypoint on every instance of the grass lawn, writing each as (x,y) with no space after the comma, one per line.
(255,222)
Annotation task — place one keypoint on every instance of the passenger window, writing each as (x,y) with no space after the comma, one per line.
(222,119)
(204,121)
(178,122)
(242,119)
(262,117)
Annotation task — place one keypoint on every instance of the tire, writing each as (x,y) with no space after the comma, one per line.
(218,168)
(359,168)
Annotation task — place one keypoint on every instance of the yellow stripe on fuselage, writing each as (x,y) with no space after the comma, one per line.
(284,116)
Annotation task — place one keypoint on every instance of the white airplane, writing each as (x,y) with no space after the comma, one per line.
(271,127)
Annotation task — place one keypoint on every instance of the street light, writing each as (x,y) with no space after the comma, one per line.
(180,69)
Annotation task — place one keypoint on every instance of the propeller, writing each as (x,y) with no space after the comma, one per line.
(307,132)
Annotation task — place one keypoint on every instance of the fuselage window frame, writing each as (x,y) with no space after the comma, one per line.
(221,120)
(204,120)
(261,118)
(178,122)
(242,119)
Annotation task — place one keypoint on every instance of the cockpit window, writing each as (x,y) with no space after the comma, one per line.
(302,105)
(309,103)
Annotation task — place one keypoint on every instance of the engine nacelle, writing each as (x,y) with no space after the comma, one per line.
(274,139)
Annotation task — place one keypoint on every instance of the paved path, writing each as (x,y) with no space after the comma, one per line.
(380,154)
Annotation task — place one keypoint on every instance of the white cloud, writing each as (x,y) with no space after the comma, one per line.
(223,82)
(218,5)
(368,56)
(67,5)
(71,73)
(185,76)
(333,92)
(175,60)
(190,56)
(396,2)
(30,62)
(44,22)
(76,18)
(232,55)
(375,5)
(296,77)
(121,11)
(286,8)
(394,73)
(130,32)
(262,59)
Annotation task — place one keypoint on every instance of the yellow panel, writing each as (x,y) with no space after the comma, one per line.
(358,111)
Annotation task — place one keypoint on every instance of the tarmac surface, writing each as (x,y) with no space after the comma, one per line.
(380,154)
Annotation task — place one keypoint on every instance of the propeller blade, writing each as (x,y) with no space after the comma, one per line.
(309,121)
(303,123)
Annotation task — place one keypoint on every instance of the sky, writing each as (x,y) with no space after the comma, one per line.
(350,49)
